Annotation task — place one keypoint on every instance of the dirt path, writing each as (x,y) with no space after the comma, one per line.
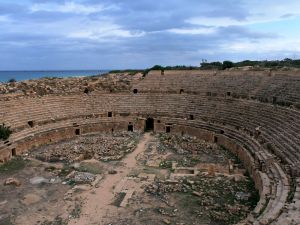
(98,202)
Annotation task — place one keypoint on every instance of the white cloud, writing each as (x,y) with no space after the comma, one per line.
(192,31)
(262,47)
(100,30)
(104,34)
(226,21)
(70,7)
(4,19)
(259,12)
(214,21)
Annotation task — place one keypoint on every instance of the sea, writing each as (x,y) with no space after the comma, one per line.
(28,75)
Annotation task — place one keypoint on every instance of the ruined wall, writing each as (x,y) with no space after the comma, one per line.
(270,157)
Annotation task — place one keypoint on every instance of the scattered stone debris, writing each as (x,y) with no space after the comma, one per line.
(166,221)
(174,181)
(12,181)
(223,199)
(46,86)
(81,177)
(3,202)
(104,147)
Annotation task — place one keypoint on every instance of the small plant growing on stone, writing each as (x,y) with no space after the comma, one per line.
(5,132)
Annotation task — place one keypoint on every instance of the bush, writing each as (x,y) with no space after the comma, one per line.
(211,66)
(5,132)
(227,65)
(157,67)
(12,80)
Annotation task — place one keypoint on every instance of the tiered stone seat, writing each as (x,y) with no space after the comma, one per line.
(272,156)
(250,115)
(284,86)
(291,214)
(261,85)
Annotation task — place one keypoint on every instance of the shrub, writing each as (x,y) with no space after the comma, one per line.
(12,80)
(227,65)
(5,132)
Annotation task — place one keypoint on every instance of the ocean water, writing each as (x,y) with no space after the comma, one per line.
(27,75)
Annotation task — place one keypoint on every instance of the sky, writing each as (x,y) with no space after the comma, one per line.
(121,34)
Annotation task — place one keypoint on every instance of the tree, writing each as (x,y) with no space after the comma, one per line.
(157,67)
(227,65)
(5,132)
(212,65)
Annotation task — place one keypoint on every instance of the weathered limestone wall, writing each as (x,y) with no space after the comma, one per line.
(211,112)
(64,133)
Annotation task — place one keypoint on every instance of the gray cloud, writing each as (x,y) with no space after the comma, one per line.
(129,34)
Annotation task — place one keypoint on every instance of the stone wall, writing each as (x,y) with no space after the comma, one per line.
(264,136)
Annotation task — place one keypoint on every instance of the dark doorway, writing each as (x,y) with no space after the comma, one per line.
(31,123)
(77,131)
(135,91)
(13,152)
(168,129)
(149,124)
(181,91)
(191,117)
(215,139)
(130,128)
(109,114)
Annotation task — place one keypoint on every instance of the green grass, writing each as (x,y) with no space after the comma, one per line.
(57,221)
(118,199)
(13,166)
(93,168)
(65,171)
(6,221)
(76,211)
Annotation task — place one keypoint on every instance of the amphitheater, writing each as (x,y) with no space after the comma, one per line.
(253,114)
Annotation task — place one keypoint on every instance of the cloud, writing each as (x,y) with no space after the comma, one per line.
(261,47)
(101,31)
(227,21)
(126,33)
(193,31)
(256,14)
(4,19)
(70,7)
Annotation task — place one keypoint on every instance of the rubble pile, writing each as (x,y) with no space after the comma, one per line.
(216,197)
(189,151)
(105,147)
(81,177)
(54,85)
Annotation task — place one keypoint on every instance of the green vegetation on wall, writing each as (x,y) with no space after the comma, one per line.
(5,132)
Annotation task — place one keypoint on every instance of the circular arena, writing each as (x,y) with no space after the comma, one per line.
(169,147)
